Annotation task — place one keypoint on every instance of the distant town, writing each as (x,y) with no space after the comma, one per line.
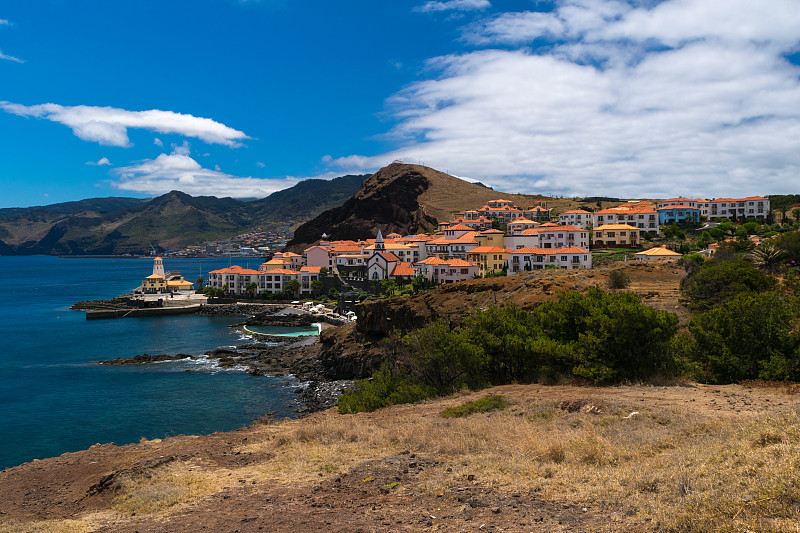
(496,239)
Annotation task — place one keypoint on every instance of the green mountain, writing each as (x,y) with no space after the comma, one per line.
(104,226)
(98,205)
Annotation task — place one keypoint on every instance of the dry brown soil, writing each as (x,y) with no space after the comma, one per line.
(383,472)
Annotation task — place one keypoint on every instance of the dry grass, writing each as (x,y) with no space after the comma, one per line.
(664,469)
(680,464)
(165,487)
(47,526)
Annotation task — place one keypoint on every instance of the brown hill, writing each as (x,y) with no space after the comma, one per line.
(401,198)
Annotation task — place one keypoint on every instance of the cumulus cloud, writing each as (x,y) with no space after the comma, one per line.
(179,171)
(158,142)
(453,5)
(4,22)
(10,58)
(259,164)
(690,97)
(103,161)
(109,126)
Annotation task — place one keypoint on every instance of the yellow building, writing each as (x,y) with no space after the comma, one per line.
(488,258)
(154,284)
(491,237)
(162,282)
(615,235)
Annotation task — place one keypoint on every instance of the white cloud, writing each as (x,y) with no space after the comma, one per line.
(11,58)
(182,149)
(4,22)
(688,97)
(259,164)
(178,171)
(109,126)
(103,161)
(158,142)
(453,5)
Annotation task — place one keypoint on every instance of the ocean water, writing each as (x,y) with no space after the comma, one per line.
(53,399)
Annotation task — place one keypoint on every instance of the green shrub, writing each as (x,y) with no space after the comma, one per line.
(443,359)
(492,402)
(718,281)
(610,336)
(751,336)
(618,279)
(386,387)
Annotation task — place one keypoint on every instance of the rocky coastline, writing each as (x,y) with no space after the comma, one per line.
(296,357)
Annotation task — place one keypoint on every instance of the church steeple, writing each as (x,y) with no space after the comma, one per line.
(379,246)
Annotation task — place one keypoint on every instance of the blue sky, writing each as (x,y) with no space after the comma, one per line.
(242,98)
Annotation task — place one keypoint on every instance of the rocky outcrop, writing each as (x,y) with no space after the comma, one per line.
(120,302)
(144,359)
(400,198)
(387,200)
(344,353)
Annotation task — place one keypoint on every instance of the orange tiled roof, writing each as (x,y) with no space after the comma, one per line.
(550,251)
(284,271)
(614,226)
(625,210)
(311,269)
(403,269)
(346,248)
(487,250)
(551,229)
(389,256)
(677,206)
(683,199)
(235,269)
(521,221)
(747,199)
(571,250)
(457,263)
(491,231)
(659,251)
(576,212)
(459,227)
(432,260)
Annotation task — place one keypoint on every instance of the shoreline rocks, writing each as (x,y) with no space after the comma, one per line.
(144,359)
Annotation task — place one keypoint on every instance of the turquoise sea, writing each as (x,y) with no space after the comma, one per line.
(53,399)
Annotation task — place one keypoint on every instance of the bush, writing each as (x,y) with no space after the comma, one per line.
(386,387)
(719,281)
(492,402)
(611,336)
(598,336)
(517,351)
(443,359)
(750,336)
(618,279)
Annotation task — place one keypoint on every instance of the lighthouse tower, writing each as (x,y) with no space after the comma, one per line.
(158,267)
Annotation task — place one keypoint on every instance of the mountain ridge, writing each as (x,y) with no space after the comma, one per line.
(118,225)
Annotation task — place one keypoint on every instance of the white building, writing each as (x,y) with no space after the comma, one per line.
(526,259)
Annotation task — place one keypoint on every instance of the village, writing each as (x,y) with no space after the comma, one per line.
(499,238)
